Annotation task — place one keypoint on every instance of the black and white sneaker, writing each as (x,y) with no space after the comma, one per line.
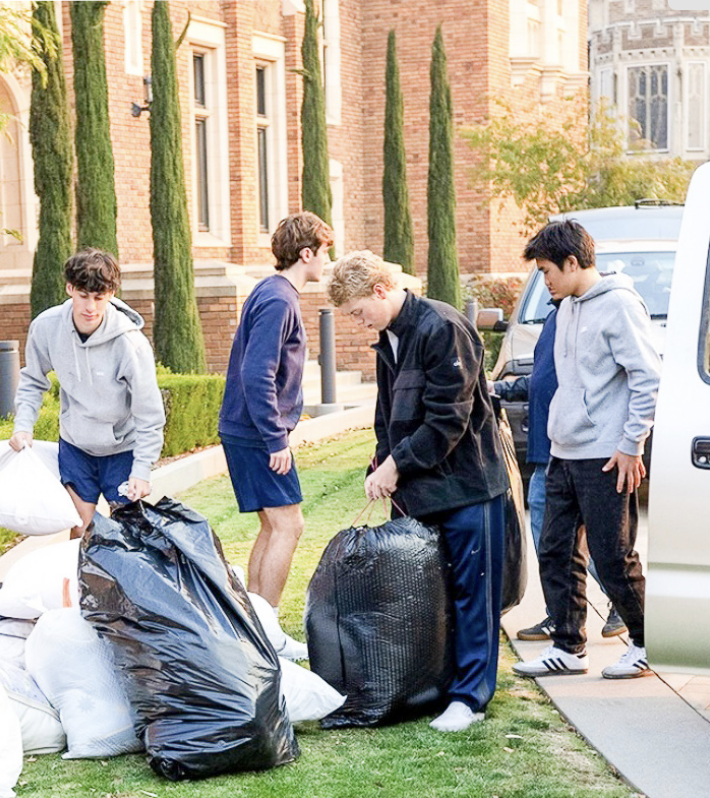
(553,662)
(633,663)
(541,631)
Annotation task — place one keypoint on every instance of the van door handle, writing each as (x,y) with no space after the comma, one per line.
(700,452)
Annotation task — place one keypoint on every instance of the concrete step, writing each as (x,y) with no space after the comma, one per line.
(348,395)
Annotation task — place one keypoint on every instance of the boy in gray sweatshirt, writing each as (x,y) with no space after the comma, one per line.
(600,417)
(111,411)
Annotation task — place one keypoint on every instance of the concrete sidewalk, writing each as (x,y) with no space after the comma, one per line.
(654,730)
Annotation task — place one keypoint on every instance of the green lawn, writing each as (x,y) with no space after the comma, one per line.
(523,750)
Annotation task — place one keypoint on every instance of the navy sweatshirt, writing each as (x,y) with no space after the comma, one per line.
(263,397)
(538,388)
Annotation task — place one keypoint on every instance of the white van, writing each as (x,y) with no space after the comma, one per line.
(678,577)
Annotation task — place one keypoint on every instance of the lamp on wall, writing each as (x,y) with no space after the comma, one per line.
(137,110)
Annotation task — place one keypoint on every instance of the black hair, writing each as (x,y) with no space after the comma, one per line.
(558,241)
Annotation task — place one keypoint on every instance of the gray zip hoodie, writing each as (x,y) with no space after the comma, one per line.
(608,372)
(109,396)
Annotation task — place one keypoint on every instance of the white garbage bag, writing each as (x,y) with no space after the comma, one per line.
(10,747)
(13,633)
(75,670)
(308,697)
(44,579)
(32,499)
(40,727)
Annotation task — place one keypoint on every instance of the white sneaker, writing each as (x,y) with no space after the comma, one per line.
(633,663)
(553,662)
(457,717)
(293,649)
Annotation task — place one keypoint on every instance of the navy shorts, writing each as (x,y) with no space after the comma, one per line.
(255,485)
(90,476)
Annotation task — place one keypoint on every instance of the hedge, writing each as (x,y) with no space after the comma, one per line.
(192,403)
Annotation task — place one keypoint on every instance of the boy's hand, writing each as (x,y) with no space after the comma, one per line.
(631,470)
(20,439)
(137,489)
(382,482)
(280,462)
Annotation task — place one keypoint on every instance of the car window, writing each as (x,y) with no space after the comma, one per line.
(651,273)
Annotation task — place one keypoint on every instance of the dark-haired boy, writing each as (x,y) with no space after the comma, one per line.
(263,401)
(600,417)
(111,411)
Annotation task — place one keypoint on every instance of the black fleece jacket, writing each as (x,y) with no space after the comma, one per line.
(434,414)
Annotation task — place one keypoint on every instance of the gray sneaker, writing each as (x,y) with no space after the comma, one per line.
(614,624)
(541,631)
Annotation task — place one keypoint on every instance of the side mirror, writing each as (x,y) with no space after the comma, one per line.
(491,319)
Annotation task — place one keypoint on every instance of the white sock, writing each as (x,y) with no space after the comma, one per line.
(457,717)
(276,612)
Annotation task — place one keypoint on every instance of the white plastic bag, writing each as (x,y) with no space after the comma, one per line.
(75,670)
(308,697)
(41,730)
(10,747)
(13,634)
(44,579)
(32,499)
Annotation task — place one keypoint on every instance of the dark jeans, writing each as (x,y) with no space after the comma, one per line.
(473,538)
(579,492)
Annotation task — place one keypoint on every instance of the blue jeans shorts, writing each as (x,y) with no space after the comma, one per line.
(90,476)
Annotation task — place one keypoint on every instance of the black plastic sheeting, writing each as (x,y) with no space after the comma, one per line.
(377,619)
(515,569)
(201,677)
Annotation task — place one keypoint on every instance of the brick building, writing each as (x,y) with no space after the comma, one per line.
(240,100)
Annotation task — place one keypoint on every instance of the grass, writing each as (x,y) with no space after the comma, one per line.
(523,750)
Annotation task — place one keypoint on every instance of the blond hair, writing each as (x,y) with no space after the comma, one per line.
(356,274)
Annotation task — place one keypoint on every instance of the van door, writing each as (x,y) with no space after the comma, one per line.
(678,584)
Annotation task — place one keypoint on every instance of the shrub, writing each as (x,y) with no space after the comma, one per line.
(494,292)
(192,403)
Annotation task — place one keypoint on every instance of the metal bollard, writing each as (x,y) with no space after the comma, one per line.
(327,356)
(471,311)
(9,375)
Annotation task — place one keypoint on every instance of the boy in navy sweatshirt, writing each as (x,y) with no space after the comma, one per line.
(263,400)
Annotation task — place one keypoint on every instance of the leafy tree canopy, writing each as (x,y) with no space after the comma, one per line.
(555,167)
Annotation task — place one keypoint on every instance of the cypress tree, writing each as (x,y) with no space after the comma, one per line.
(316,195)
(177,331)
(443,266)
(95,191)
(399,235)
(50,135)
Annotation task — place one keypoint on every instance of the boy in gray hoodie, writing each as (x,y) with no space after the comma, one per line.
(600,417)
(111,411)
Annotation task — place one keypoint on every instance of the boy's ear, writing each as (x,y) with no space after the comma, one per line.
(305,254)
(379,291)
(69,288)
(573,262)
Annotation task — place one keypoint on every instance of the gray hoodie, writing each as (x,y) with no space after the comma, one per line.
(608,372)
(109,396)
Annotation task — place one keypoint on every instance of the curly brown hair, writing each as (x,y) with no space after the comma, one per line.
(299,231)
(94,271)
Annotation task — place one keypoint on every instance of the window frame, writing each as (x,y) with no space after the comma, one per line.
(648,66)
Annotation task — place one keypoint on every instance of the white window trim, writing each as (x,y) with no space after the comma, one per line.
(133,6)
(209,37)
(270,51)
(337,188)
(332,57)
(703,118)
(628,116)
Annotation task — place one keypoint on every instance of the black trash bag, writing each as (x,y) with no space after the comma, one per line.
(515,568)
(377,622)
(201,677)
